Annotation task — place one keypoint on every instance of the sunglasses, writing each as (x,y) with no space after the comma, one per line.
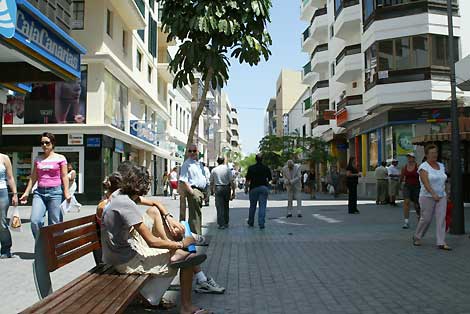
(192,151)
(45,143)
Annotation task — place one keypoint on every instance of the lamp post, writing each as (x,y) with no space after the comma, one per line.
(458,217)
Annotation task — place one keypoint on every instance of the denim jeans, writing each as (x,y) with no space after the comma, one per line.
(46,199)
(5,235)
(258,194)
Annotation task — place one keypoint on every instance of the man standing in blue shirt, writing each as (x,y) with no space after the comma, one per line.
(258,178)
(194,182)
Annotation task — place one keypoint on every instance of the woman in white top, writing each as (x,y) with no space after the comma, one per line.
(72,174)
(432,198)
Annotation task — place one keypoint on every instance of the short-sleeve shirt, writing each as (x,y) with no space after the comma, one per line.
(381,173)
(120,215)
(352,179)
(173,176)
(48,170)
(192,172)
(437,179)
(393,171)
(221,175)
(258,175)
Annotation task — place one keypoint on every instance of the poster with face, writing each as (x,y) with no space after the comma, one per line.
(60,102)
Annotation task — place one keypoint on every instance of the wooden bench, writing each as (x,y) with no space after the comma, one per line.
(100,290)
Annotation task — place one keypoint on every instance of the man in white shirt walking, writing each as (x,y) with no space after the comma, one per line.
(223,187)
(292,177)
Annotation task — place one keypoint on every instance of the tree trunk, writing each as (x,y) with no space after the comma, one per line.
(199,109)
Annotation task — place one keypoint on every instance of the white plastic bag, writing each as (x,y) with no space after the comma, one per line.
(331,189)
(72,206)
(15,220)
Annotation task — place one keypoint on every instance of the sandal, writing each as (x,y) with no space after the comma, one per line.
(190,260)
(202,311)
(416,242)
(444,247)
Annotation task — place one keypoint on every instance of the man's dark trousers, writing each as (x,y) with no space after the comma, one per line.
(222,200)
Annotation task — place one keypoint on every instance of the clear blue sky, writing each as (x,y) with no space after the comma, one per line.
(252,87)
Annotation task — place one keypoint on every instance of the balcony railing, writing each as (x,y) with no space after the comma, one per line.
(307,103)
(344,4)
(318,108)
(306,34)
(320,84)
(141,5)
(307,68)
(349,101)
(348,51)
(319,48)
(318,12)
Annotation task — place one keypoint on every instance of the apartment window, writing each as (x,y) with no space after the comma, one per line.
(177,120)
(149,73)
(402,53)
(141,33)
(386,55)
(440,50)
(124,41)
(332,69)
(152,4)
(78,14)
(152,40)
(420,51)
(138,63)
(332,30)
(109,23)
(171,112)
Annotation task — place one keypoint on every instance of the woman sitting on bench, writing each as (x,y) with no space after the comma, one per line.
(138,244)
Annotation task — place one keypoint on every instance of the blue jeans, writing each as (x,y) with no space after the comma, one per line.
(46,199)
(5,235)
(258,194)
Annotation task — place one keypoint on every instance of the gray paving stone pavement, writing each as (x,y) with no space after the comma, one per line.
(342,264)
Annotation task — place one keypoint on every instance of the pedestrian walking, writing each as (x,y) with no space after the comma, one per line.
(311,183)
(194,183)
(292,177)
(352,176)
(6,180)
(409,175)
(165,183)
(257,178)
(50,172)
(72,175)
(394,183)
(223,187)
(333,179)
(173,180)
(381,175)
(207,174)
(432,198)
(304,181)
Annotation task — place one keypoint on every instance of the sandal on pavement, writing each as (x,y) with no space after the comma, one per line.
(416,242)
(190,260)
(444,247)
(202,311)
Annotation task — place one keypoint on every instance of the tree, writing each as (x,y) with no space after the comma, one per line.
(210,30)
(246,162)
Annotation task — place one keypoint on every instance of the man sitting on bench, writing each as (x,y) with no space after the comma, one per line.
(143,245)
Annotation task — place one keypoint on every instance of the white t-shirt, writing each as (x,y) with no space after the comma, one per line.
(393,171)
(173,176)
(437,179)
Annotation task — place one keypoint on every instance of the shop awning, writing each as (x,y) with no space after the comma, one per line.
(35,49)
(439,137)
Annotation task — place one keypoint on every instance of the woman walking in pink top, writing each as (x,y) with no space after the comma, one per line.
(50,172)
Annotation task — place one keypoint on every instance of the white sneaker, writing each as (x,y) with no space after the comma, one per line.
(209,286)
(406,225)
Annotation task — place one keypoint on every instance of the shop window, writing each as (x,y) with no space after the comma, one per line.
(78,14)
(109,23)
(373,151)
(389,149)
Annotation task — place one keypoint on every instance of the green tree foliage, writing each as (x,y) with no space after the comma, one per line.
(210,31)
(277,150)
(246,162)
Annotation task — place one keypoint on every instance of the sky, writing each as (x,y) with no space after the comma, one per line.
(250,88)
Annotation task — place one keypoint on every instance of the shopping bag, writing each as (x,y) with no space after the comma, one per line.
(15,220)
(72,206)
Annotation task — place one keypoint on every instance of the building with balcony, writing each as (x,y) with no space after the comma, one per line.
(388,73)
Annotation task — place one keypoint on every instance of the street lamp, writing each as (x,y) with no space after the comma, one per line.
(458,216)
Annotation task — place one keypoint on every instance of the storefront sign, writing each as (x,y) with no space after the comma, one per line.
(75,139)
(342,117)
(119,146)
(93,142)
(38,35)
(7,18)
(141,130)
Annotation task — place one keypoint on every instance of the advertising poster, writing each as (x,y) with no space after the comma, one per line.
(13,110)
(60,102)
(373,150)
(403,137)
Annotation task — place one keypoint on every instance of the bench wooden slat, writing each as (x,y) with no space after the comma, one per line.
(69,224)
(70,257)
(71,234)
(76,243)
(104,285)
(122,301)
(67,290)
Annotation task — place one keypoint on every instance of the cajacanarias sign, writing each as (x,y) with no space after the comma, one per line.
(39,35)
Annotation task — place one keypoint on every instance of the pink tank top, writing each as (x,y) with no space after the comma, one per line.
(48,171)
